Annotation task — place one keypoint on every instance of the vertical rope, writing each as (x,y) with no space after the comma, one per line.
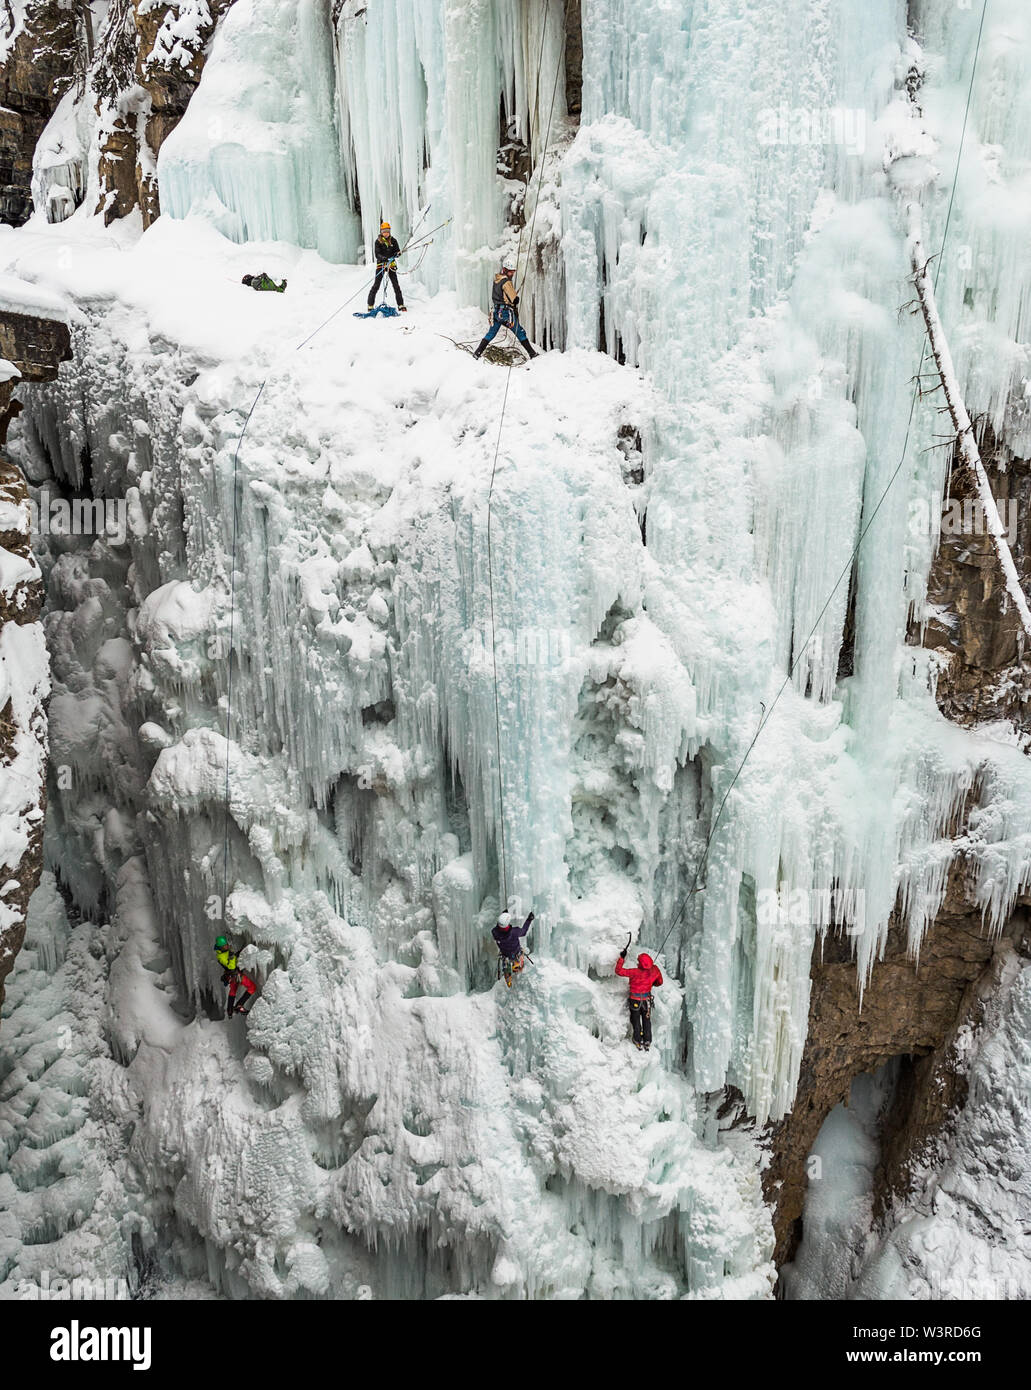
(232,575)
(503,856)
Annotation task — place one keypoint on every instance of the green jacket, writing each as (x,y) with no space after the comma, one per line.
(265,282)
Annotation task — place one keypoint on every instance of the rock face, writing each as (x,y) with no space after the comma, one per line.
(40,59)
(138,71)
(574,58)
(36,346)
(978,633)
(156,54)
(913,1010)
(910,1010)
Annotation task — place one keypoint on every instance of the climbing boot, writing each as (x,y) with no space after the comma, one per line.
(480,350)
(530,351)
(403,308)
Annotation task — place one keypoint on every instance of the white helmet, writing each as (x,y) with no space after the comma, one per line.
(505,920)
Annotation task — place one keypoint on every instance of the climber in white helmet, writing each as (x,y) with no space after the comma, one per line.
(510,944)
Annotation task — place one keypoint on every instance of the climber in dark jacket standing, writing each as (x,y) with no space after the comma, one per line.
(642,981)
(504,303)
(387,251)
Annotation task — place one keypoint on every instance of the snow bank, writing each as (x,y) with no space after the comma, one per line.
(18,296)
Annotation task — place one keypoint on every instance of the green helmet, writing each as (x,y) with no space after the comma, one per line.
(220,943)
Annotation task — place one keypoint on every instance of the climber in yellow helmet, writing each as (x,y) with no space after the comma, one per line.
(387,252)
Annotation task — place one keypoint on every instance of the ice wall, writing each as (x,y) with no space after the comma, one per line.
(730,236)
(421,83)
(257,151)
(61,163)
(426,91)
(727,224)
(412,1102)
(77,1220)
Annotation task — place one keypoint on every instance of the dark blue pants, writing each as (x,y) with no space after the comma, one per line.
(504,316)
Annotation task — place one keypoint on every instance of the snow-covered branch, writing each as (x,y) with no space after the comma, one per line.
(966,445)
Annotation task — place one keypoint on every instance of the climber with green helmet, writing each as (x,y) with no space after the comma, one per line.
(226,958)
(264,282)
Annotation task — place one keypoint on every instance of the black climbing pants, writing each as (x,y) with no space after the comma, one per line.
(641,1019)
(381,270)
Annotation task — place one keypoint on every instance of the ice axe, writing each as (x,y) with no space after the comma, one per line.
(622,954)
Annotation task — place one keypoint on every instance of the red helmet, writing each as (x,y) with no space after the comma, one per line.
(644,960)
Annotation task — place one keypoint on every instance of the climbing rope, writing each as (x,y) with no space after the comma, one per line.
(235,530)
(503,860)
(503,864)
(232,613)
(768,713)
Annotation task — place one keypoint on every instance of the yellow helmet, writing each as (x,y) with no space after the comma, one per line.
(384,226)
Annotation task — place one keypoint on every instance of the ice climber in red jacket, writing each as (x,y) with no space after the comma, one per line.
(241,992)
(642,981)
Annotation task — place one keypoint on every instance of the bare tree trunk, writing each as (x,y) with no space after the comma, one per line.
(966,445)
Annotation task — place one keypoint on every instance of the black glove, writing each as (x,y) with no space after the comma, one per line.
(516,300)
(530,918)
(622,955)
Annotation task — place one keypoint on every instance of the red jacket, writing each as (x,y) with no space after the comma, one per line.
(643,979)
(241,980)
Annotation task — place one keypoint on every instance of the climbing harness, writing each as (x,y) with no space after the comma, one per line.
(768,714)
(507,967)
